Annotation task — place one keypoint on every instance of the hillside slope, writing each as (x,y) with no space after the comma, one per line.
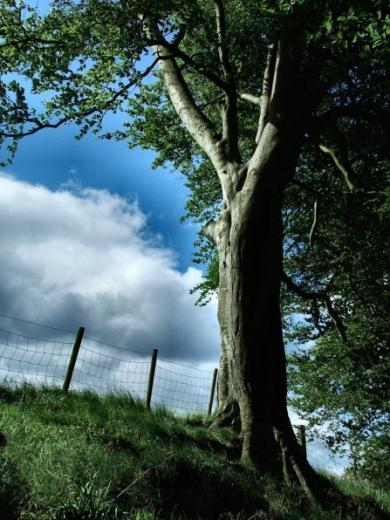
(80,456)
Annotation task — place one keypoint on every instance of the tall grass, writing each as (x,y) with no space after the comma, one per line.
(80,456)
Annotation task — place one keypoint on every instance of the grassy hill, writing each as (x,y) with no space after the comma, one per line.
(80,456)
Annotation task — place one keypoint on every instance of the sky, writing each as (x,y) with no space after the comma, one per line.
(78,253)
(90,236)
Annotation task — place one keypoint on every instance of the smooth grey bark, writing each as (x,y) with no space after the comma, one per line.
(253,364)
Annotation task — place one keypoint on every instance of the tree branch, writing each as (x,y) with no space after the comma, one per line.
(339,164)
(229,110)
(316,196)
(266,91)
(278,58)
(336,320)
(216,228)
(209,231)
(323,296)
(180,35)
(263,100)
(196,122)
(78,115)
(221,35)
(256,100)
(189,60)
(198,67)
(314,223)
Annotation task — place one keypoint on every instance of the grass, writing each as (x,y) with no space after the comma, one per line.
(364,491)
(80,456)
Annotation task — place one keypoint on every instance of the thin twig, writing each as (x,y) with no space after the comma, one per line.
(316,196)
(339,165)
(318,295)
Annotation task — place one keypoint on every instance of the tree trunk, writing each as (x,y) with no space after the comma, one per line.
(253,364)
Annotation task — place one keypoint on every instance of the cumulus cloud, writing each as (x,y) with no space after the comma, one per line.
(81,256)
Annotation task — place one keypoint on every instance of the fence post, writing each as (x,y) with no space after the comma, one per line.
(301,437)
(151,377)
(212,391)
(73,358)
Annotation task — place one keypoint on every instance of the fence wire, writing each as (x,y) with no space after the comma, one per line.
(180,390)
(102,368)
(24,359)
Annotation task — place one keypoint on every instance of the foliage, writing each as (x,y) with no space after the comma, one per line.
(342,380)
(353,406)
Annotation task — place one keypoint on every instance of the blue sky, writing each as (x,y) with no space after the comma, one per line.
(53,157)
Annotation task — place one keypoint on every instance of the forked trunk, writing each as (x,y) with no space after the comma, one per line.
(248,235)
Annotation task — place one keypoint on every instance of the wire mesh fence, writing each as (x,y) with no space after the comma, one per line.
(106,368)
(103,368)
(27,359)
(181,388)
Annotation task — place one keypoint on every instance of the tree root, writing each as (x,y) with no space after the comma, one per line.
(228,416)
(295,465)
(302,479)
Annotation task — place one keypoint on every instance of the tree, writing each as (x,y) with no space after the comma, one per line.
(249,94)
(342,380)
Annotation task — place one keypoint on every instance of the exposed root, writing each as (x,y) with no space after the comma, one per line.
(302,480)
(295,465)
(283,457)
(286,473)
(228,416)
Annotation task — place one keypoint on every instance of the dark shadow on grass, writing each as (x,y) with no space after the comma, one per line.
(202,492)
(11,488)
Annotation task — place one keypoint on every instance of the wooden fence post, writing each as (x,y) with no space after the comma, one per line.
(301,437)
(151,377)
(212,392)
(73,358)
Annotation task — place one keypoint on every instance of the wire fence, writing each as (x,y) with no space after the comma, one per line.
(27,359)
(104,368)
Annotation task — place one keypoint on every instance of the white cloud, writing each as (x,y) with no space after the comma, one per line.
(320,457)
(86,257)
